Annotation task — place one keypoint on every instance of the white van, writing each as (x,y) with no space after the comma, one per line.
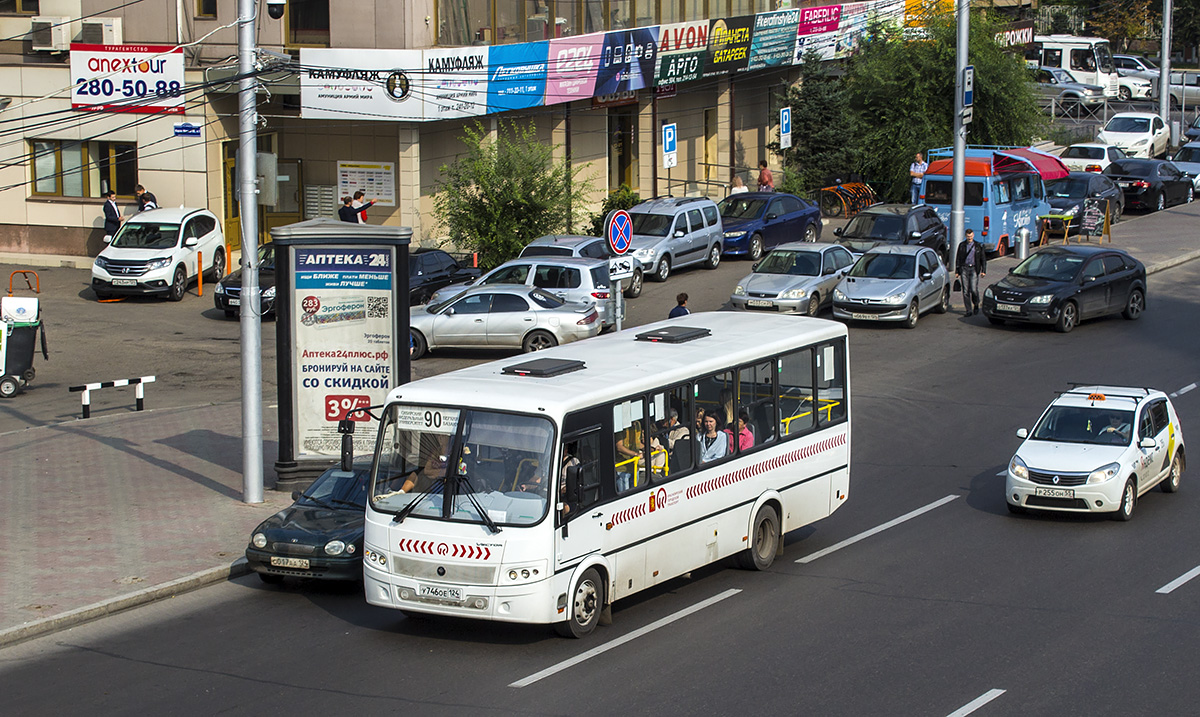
(1089,59)
(160,252)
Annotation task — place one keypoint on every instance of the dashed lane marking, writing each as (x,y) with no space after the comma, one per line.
(1165,589)
(976,703)
(1185,389)
(876,529)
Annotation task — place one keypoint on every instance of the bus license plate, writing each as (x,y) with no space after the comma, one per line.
(124,282)
(301,563)
(1008,307)
(441,592)
(235,302)
(758,302)
(864,317)
(1054,492)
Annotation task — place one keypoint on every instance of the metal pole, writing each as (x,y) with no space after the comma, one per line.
(958,188)
(1164,78)
(251,334)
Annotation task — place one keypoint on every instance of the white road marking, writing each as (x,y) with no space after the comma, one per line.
(1185,389)
(553,669)
(1179,581)
(877,529)
(976,703)
(1002,473)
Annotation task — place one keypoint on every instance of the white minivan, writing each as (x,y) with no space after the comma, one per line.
(160,251)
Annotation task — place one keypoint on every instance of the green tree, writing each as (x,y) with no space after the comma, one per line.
(822,123)
(506,190)
(620,198)
(1122,22)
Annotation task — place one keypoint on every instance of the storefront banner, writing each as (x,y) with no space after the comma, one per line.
(728,45)
(573,64)
(360,84)
(682,48)
(518,76)
(143,79)
(627,60)
(455,83)
(816,20)
(774,39)
(856,17)
(344,342)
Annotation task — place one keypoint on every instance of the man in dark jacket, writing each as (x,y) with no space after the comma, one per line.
(146,200)
(971,264)
(348,213)
(112,215)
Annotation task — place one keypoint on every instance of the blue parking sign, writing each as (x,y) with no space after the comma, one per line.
(785,120)
(668,138)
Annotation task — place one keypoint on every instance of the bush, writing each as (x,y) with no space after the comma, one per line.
(620,198)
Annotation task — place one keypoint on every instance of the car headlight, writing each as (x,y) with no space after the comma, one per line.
(837,294)
(335,547)
(162,263)
(101,262)
(795,294)
(897,298)
(1018,468)
(739,291)
(1041,299)
(259,540)
(988,292)
(269,293)
(1072,211)
(1140,142)
(734,235)
(644,253)
(219,289)
(1104,473)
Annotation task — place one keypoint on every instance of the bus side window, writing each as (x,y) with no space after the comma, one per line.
(757,399)
(584,453)
(671,453)
(629,445)
(796,393)
(1052,58)
(831,383)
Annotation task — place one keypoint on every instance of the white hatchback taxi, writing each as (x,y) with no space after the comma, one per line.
(1097,449)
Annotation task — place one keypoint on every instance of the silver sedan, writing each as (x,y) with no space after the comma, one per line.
(893,283)
(795,278)
(501,316)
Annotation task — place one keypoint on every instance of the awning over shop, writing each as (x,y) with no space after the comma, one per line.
(1019,160)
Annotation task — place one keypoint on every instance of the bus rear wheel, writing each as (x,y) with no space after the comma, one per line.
(764,541)
(584,606)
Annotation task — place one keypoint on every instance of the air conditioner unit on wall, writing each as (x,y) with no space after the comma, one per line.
(51,34)
(101,31)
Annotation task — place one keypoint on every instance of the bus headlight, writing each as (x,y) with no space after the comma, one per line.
(375,557)
(527,572)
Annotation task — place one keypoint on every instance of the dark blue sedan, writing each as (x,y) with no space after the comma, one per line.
(755,221)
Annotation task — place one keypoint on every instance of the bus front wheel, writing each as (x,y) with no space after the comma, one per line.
(764,541)
(584,606)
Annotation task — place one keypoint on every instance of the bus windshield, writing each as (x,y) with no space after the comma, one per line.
(463,465)
(1104,58)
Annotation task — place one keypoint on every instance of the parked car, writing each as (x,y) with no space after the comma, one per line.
(795,278)
(895,224)
(1151,183)
(1192,131)
(1063,285)
(1097,449)
(755,221)
(227,294)
(1134,88)
(159,252)
(320,536)
(1090,156)
(569,278)
(1140,134)
(1187,160)
(1136,66)
(1059,86)
(893,283)
(1184,89)
(430,270)
(671,233)
(1067,197)
(588,247)
(501,316)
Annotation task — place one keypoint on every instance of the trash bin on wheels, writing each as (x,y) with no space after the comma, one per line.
(20,324)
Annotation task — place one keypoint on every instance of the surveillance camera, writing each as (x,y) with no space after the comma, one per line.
(275,8)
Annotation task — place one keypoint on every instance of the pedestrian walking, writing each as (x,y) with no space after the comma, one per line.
(766,182)
(146,200)
(917,170)
(971,265)
(348,213)
(681,308)
(361,207)
(112,215)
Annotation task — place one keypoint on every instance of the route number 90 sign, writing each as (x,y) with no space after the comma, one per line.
(145,79)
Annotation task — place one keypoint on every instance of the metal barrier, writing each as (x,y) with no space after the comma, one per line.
(87,388)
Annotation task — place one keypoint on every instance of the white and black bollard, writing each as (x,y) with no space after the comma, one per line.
(139,385)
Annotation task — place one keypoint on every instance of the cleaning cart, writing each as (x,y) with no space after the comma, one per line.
(20,326)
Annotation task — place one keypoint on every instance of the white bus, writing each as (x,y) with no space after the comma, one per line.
(541,488)
(1089,59)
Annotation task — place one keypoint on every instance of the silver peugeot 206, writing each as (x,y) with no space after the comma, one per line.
(893,283)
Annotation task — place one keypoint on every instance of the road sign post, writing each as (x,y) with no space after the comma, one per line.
(968,97)
(669,145)
(619,232)
(785,128)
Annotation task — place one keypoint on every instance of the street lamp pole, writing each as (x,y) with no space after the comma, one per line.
(251,306)
(1164,77)
(962,9)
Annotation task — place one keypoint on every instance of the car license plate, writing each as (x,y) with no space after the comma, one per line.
(441,592)
(301,563)
(758,302)
(1054,492)
(864,317)
(1008,307)
(124,282)
(235,302)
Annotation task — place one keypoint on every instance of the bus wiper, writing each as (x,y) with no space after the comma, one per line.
(487,519)
(404,513)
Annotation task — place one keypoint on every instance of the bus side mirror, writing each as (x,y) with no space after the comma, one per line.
(572,478)
(346,428)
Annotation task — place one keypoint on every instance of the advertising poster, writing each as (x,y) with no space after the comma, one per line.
(361,84)
(574,62)
(455,82)
(774,41)
(343,337)
(682,48)
(144,79)
(855,19)
(627,60)
(376,179)
(728,45)
(518,76)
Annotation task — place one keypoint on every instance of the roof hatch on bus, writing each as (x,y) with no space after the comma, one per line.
(673,334)
(544,367)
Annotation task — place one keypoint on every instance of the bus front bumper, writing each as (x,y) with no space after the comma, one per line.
(532,602)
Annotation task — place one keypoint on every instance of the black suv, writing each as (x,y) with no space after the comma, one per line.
(895,224)
(430,270)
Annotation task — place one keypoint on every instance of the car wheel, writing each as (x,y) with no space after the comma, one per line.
(178,285)
(764,541)
(814,305)
(584,607)
(419,344)
(995,321)
(1160,202)
(1114,214)
(1171,483)
(756,248)
(1134,305)
(664,269)
(944,305)
(1070,106)
(9,387)
(714,257)
(1128,501)
(634,290)
(271,579)
(538,340)
(914,313)
(810,232)
(1068,316)
(218,265)
(1124,94)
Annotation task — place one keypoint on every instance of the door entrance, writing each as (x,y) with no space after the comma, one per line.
(622,147)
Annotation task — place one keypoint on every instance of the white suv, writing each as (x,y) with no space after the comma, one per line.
(159,252)
(1097,449)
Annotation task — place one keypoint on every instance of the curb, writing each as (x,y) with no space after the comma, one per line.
(1173,262)
(95,611)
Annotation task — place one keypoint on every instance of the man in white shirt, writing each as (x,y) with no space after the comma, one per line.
(916,170)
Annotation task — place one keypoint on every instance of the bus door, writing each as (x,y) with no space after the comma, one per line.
(580,523)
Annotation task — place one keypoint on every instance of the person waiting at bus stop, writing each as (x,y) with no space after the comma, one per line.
(970,266)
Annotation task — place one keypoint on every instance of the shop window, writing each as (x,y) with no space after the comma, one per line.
(206,8)
(465,23)
(82,169)
(24,7)
(308,22)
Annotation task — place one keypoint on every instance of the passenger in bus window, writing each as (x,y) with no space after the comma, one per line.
(630,447)
(674,429)
(726,397)
(714,444)
(745,438)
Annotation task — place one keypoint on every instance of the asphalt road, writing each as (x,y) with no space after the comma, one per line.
(960,605)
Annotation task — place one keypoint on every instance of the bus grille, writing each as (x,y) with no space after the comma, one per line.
(428,570)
